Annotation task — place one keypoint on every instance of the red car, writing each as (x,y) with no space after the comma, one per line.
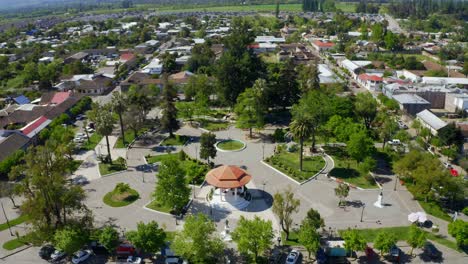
(370,253)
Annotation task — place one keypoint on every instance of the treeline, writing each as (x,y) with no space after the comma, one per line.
(318,5)
(423,8)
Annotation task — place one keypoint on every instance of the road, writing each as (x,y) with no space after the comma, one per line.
(394,26)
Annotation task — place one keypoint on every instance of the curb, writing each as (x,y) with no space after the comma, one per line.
(227,151)
(316,174)
(156,211)
(114,173)
(280,172)
(15,252)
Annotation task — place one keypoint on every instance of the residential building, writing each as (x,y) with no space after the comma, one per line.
(411,103)
(430,121)
(322,46)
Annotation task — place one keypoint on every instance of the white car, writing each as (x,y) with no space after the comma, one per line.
(78,140)
(90,129)
(394,142)
(293,256)
(447,165)
(57,255)
(81,256)
(132,259)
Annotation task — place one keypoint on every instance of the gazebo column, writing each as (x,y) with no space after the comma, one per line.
(235,193)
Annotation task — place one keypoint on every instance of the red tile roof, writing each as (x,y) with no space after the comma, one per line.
(35,126)
(127,56)
(367,77)
(227,177)
(60,97)
(322,44)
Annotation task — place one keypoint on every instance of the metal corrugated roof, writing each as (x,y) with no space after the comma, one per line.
(430,119)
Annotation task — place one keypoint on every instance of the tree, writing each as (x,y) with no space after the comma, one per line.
(416,238)
(253,237)
(282,89)
(119,106)
(109,238)
(50,200)
(8,189)
(342,191)
(309,237)
(387,130)
(459,230)
(202,57)
(172,189)
(385,241)
(360,146)
(198,242)
(314,219)
(132,119)
(301,129)
(70,240)
(249,108)
(104,123)
(450,135)
(169,118)
(366,108)
(186,111)
(284,205)
(277,10)
(207,146)
(353,240)
(377,33)
(169,62)
(142,99)
(148,237)
(309,78)
(391,41)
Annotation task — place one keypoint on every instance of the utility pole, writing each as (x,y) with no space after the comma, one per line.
(396,180)
(362,212)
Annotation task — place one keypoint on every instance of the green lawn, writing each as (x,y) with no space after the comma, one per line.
(154,205)
(176,140)
(346,169)
(114,199)
(93,141)
(293,239)
(105,168)
(288,163)
(347,7)
(13,222)
(195,170)
(14,243)
(75,165)
(129,137)
(402,233)
(431,207)
(230,145)
(213,125)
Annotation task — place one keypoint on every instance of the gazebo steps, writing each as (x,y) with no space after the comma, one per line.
(230,204)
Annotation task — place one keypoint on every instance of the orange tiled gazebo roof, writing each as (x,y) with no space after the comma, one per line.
(227,177)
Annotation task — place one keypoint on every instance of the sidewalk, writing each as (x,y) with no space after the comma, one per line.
(5,235)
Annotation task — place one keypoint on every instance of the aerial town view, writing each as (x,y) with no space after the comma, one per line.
(233,132)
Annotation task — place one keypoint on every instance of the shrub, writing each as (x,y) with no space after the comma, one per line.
(120,160)
(465,211)
(122,187)
(278,135)
(182,156)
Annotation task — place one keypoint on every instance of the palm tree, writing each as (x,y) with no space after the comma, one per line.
(119,106)
(301,129)
(104,122)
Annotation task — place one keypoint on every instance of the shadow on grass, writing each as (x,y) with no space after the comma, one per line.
(344,173)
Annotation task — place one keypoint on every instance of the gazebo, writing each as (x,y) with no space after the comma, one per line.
(229,182)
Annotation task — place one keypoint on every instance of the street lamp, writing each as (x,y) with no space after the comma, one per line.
(263,151)
(396,180)
(279,241)
(362,212)
(7,221)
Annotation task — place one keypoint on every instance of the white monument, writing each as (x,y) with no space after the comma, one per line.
(226,233)
(379,201)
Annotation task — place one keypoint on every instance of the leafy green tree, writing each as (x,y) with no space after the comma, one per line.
(198,242)
(366,108)
(253,237)
(104,123)
(309,238)
(142,99)
(169,62)
(207,146)
(354,241)
(360,146)
(132,120)
(391,41)
(249,108)
(169,118)
(70,240)
(367,165)
(282,89)
(377,33)
(387,130)
(172,189)
(459,230)
(148,237)
(109,238)
(284,205)
(301,129)
(309,78)
(50,200)
(186,111)
(202,56)
(416,238)
(384,241)
(342,191)
(313,218)
(119,106)
(450,135)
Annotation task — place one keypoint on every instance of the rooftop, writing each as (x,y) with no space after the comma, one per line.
(430,119)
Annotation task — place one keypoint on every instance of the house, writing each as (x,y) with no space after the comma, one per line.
(33,128)
(12,141)
(370,81)
(79,56)
(433,94)
(139,79)
(128,59)
(269,39)
(455,102)
(87,84)
(21,100)
(411,103)
(154,67)
(326,75)
(354,67)
(430,121)
(322,46)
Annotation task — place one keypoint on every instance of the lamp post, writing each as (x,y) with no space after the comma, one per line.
(143,176)
(362,212)
(7,221)
(396,180)
(263,151)
(279,241)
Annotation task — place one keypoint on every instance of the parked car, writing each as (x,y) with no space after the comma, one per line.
(292,257)
(46,251)
(125,249)
(81,256)
(57,255)
(78,140)
(394,142)
(395,253)
(431,251)
(90,129)
(447,165)
(402,125)
(133,259)
(80,117)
